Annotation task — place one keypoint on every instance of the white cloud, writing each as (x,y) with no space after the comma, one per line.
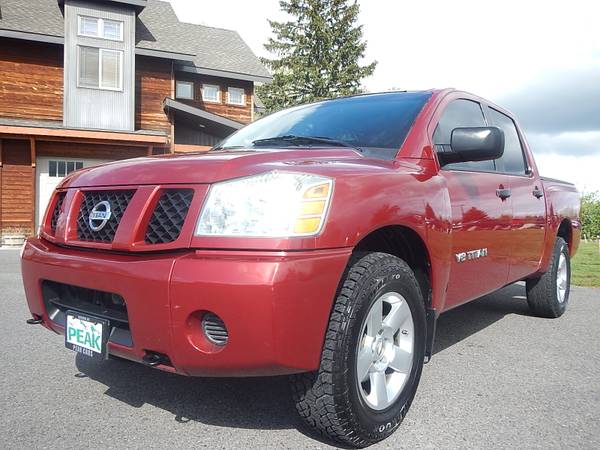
(541,56)
(568,144)
(582,170)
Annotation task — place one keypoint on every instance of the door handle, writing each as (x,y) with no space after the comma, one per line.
(503,193)
(537,192)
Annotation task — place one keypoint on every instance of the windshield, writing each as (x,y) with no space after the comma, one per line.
(377,124)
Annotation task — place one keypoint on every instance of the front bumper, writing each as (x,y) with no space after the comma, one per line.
(275,305)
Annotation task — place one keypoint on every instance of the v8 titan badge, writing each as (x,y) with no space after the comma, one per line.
(86,335)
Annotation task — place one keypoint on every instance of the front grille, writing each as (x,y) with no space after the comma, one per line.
(57,211)
(168,216)
(118,201)
(59,298)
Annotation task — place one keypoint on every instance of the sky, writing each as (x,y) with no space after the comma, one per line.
(539,59)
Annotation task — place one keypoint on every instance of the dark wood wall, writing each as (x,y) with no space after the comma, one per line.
(17,195)
(152,85)
(238,113)
(31,80)
(88,151)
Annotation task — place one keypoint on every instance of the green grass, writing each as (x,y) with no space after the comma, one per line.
(585,267)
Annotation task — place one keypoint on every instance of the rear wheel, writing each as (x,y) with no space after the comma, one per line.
(548,295)
(372,357)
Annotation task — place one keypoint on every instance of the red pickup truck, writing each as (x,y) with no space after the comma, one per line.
(320,242)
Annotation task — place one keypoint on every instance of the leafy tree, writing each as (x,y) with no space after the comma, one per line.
(317,53)
(590,215)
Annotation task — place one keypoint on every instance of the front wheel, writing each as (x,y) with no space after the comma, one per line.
(548,295)
(372,357)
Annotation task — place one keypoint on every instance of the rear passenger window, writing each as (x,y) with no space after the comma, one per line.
(461,113)
(513,160)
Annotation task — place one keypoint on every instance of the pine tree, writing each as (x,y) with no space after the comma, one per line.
(317,53)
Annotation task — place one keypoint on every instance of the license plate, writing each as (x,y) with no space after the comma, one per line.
(86,335)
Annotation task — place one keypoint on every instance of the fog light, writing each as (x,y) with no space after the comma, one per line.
(214,329)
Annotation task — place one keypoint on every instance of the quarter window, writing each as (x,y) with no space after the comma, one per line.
(460,113)
(100,68)
(61,168)
(236,96)
(513,159)
(184,89)
(211,93)
(100,28)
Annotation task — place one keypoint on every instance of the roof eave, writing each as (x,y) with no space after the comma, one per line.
(223,73)
(184,57)
(36,37)
(169,103)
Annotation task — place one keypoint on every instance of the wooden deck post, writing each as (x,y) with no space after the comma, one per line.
(1,229)
(33,191)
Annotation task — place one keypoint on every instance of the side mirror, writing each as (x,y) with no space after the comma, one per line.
(473,144)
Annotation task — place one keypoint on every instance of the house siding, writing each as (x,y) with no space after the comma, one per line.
(152,85)
(31,80)
(242,114)
(88,151)
(99,108)
(17,188)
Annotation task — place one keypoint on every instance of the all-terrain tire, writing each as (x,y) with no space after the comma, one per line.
(329,399)
(543,293)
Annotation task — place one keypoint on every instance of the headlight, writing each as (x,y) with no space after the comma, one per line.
(272,204)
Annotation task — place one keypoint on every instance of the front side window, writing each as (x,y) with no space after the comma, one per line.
(236,96)
(377,123)
(460,113)
(61,168)
(100,68)
(211,93)
(513,159)
(100,28)
(184,89)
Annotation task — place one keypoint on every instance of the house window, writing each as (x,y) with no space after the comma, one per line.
(184,89)
(61,168)
(100,28)
(100,68)
(236,96)
(211,93)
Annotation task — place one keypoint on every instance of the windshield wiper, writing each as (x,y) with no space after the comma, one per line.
(230,147)
(292,138)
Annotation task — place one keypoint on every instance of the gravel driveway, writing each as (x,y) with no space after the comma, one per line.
(499,379)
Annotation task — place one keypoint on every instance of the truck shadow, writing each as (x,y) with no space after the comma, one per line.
(467,320)
(264,403)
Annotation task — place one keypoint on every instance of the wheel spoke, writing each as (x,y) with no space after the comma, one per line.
(402,360)
(365,360)
(561,264)
(374,321)
(378,388)
(399,313)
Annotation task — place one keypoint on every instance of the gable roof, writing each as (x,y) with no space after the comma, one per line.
(157,30)
(42,17)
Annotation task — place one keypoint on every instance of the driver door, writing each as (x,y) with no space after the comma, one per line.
(481,214)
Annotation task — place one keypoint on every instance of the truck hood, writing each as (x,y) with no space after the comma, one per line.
(206,168)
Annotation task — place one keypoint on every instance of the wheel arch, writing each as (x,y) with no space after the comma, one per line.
(405,243)
(565,231)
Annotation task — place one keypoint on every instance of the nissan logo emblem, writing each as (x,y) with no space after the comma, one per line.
(99,216)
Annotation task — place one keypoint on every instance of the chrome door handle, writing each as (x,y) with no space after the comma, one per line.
(537,192)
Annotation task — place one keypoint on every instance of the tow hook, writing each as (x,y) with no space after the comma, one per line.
(154,359)
(35,320)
